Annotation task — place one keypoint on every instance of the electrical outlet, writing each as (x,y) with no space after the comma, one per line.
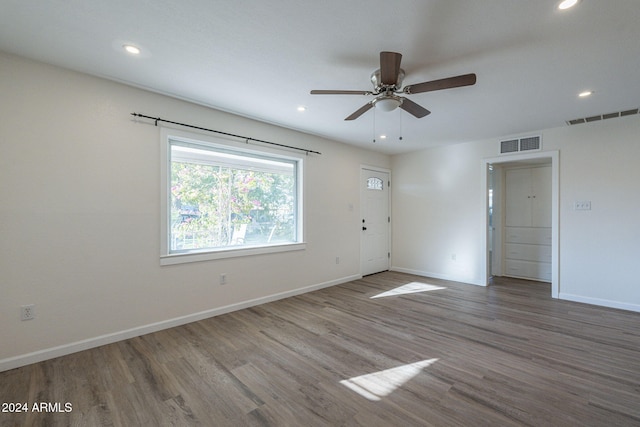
(337,260)
(28,312)
(223,279)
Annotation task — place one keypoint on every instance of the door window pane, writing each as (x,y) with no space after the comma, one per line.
(374,183)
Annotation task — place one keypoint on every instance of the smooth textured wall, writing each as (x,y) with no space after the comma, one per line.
(439,205)
(599,248)
(80,216)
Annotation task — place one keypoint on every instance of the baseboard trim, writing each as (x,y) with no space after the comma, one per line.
(436,275)
(63,350)
(600,302)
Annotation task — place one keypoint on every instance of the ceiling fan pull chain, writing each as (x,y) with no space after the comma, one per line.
(374,126)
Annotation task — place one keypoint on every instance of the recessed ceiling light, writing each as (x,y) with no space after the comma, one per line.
(131,48)
(134,50)
(383,136)
(567,4)
(585,93)
(302,108)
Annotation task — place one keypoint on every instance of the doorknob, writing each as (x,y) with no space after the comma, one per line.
(364,228)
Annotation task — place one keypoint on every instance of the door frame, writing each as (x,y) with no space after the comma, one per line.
(364,167)
(554,157)
(495,262)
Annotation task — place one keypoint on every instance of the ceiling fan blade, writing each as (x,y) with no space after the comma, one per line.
(341,92)
(412,108)
(366,107)
(389,67)
(448,83)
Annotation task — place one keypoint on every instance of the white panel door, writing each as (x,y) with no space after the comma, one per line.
(374,240)
(518,198)
(541,188)
(528,197)
(527,249)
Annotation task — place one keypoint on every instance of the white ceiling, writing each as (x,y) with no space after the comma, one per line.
(260,59)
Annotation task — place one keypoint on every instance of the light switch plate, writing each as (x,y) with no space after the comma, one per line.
(584,205)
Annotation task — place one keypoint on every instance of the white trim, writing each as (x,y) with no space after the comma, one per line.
(179,258)
(204,140)
(600,302)
(555,211)
(376,168)
(65,349)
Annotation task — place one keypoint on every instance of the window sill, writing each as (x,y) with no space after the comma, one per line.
(182,258)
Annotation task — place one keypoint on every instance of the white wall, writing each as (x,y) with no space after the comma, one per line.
(437,212)
(600,249)
(80,216)
(438,208)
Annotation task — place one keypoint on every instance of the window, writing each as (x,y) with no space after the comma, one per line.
(222,201)
(374,183)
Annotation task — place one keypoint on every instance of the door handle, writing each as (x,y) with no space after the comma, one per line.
(364,228)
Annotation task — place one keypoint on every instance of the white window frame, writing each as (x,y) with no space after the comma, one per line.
(166,256)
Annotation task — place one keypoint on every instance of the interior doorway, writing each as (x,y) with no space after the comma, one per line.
(493,188)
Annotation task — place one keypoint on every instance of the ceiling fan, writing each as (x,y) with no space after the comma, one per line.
(387,83)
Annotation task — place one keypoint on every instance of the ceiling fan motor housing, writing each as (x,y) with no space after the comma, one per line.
(380,88)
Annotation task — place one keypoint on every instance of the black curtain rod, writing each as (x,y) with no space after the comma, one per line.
(158,119)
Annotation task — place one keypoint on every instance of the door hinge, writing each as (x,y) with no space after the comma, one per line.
(389,255)
(388,219)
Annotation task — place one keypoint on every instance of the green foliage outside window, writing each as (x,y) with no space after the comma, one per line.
(215,206)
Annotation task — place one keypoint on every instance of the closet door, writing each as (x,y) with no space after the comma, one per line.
(518,198)
(527,249)
(541,200)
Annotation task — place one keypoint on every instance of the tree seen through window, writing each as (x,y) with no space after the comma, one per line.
(221,199)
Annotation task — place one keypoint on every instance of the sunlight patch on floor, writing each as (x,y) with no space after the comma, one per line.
(379,384)
(409,288)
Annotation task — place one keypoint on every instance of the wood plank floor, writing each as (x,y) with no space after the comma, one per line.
(447,354)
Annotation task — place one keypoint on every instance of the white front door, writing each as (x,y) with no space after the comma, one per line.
(374,241)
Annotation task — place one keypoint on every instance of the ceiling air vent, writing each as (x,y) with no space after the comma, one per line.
(628,112)
(529,143)
(603,117)
(510,146)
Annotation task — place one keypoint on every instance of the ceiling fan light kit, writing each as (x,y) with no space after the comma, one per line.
(387,82)
(387,102)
